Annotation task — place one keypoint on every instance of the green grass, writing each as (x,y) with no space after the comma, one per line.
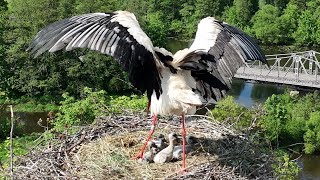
(35,107)
(32,104)
(21,146)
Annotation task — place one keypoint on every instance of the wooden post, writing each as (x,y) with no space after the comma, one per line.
(11,143)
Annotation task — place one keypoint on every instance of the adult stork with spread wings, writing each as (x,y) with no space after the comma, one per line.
(175,84)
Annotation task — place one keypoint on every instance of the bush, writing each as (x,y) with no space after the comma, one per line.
(76,112)
(21,146)
(283,167)
(228,111)
(4,121)
(119,103)
(312,135)
(276,117)
(293,120)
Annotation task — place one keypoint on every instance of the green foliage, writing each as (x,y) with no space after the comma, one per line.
(264,26)
(307,29)
(272,22)
(293,120)
(288,23)
(77,112)
(284,168)
(276,116)
(312,135)
(116,104)
(156,29)
(27,104)
(21,146)
(244,7)
(228,111)
(4,121)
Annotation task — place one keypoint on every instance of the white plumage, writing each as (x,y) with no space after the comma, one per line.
(175,84)
(177,95)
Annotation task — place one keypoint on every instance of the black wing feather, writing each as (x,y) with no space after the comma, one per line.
(218,64)
(99,32)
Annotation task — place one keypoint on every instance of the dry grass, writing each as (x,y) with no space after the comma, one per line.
(104,151)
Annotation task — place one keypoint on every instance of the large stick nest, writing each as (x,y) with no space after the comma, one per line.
(104,149)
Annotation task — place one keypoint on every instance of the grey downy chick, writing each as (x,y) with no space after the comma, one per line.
(152,151)
(166,154)
(177,150)
(160,142)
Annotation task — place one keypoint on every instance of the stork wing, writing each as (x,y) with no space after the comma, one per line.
(216,54)
(117,34)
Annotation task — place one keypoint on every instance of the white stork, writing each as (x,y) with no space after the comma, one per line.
(175,84)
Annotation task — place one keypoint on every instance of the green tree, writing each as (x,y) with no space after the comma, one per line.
(302,4)
(3,65)
(307,29)
(214,8)
(264,26)
(288,23)
(47,74)
(241,13)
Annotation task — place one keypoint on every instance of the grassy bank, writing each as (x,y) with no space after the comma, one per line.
(32,104)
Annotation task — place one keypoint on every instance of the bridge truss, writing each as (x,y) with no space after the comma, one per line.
(299,68)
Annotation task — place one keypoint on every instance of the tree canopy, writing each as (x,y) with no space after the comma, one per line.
(286,22)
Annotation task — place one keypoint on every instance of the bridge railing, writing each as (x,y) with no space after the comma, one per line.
(299,62)
(297,66)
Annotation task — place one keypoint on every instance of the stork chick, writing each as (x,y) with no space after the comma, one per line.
(149,155)
(160,142)
(166,154)
(177,150)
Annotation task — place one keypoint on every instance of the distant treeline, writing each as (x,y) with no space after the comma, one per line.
(284,22)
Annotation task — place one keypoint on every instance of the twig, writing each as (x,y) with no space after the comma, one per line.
(11,143)
(238,119)
(292,145)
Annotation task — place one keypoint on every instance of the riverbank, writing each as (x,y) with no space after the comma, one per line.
(31,104)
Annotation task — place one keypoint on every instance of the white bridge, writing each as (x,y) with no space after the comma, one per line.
(299,69)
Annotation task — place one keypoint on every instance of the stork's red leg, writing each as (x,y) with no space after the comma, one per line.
(149,102)
(184,133)
(154,122)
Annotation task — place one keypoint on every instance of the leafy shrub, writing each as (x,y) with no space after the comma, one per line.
(76,112)
(4,121)
(312,135)
(283,167)
(134,102)
(230,112)
(92,104)
(21,146)
(276,117)
(293,120)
